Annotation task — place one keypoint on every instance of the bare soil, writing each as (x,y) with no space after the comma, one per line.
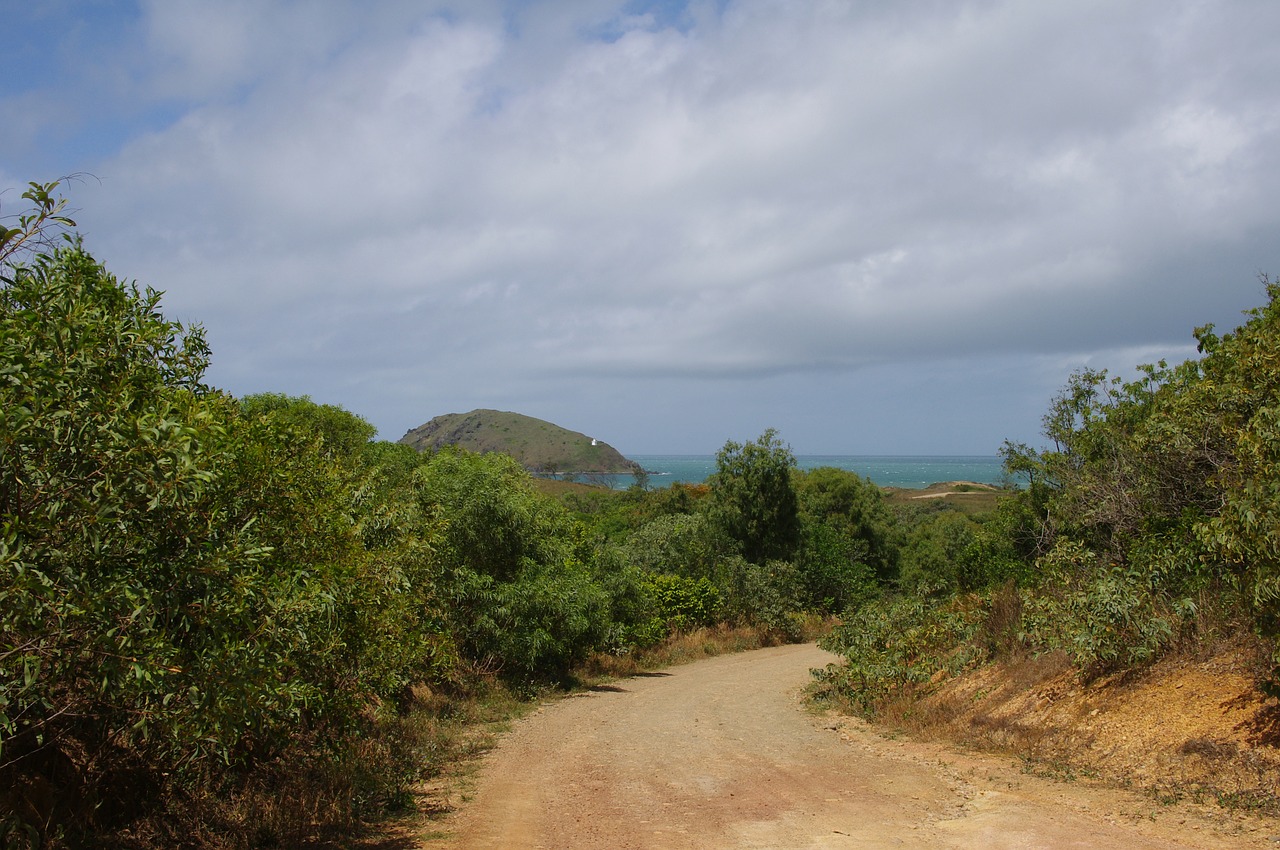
(723,754)
(1193,728)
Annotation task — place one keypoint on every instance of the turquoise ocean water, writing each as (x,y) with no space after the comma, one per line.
(887,471)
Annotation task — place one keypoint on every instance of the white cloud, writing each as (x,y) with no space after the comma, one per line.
(580,192)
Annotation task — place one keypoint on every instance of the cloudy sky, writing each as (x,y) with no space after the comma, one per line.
(879,227)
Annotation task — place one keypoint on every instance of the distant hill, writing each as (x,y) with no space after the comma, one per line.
(539,446)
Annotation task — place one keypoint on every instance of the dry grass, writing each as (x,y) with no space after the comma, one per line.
(964,496)
(371,791)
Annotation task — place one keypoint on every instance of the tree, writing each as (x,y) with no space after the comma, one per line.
(186,591)
(681,544)
(854,508)
(110,453)
(342,432)
(753,498)
(934,558)
(515,565)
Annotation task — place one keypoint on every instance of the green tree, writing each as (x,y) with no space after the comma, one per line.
(111,534)
(934,559)
(186,591)
(753,498)
(1236,409)
(681,544)
(495,523)
(522,596)
(834,569)
(341,432)
(853,508)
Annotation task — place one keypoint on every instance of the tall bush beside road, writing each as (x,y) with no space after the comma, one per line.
(112,538)
(189,587)
(1152,520)
(515,566)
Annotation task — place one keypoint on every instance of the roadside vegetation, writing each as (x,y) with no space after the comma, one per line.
(244,622)
(1150,529)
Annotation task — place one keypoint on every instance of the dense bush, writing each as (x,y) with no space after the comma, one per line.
(835,572)
(935,558)
(1156,510)
(1169,484)
(136,597)
(523,597)
(853,509)
(900,642)
(188,587)
(753,498)
(681,604)
(681,544)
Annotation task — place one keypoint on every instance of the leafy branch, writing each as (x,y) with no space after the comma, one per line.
(38,228)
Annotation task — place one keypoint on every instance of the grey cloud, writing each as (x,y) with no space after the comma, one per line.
(560,195)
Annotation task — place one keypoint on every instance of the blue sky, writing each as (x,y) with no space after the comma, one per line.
(877,227)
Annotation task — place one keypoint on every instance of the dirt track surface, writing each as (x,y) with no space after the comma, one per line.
(722,754)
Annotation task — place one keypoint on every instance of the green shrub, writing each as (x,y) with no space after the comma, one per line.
(834,568)
(753,498)
(683,603)
(680,544)
(854,509)
(892,645)
(188,588)
(934,559)
(523,599)
(768,594)
(145,621)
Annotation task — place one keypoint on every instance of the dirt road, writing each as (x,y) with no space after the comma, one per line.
(721,754)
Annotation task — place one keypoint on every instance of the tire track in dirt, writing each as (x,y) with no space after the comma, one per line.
(721,754)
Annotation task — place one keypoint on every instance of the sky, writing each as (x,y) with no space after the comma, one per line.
(877,227)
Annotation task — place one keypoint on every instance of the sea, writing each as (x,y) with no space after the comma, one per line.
(910,471)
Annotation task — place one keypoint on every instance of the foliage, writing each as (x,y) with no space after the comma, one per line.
(1005,544)
(1159,497)
(937,551)
(897,644)
(341,433)
(769,594)
(753,498)
(121,569)
(35,230)
(681,603)
(542,623)
(1239,396)
(516,566)
(1170,481)
(184,588)
(854,508)
(495,524)
(682,544)
(834,569)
